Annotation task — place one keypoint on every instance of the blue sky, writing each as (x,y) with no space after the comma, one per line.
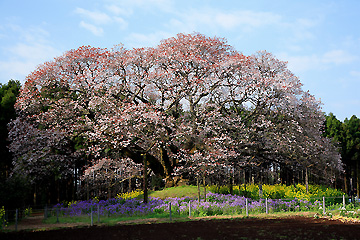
(320,40)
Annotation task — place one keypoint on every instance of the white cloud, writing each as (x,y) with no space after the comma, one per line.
(355,74)
(301,29)
(338,57)
(15,69)
(301,63)
(317,61)
(213,18)
(24,57)
(97,31)
(162,5)
(118,10)
(96,17)
(146,40)
(29,47)
(246,18)
(93,20)
(289,32)
(121,22)
(35,52)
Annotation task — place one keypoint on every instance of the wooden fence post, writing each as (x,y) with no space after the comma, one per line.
(266,206)
(16,219)
(98,213)
(189,209)
(91,216)
(170,211)
(45,212)
(57,215)
(247,207)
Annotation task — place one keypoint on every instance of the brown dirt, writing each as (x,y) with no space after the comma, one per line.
(292,227)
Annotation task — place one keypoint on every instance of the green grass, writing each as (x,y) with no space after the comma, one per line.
(164,217)
(73,219)
(182,191)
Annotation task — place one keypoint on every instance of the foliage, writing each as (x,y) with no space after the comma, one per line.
(28,211)
(14,192)
(129,195)
(350,213)
(279,191)
(217,204)
(191,105)
(2,217)
(346,136)
(69,204)
(334,128)
(352,139)
(118,209)
(8,94)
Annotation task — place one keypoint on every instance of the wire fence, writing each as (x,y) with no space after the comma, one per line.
(96,212)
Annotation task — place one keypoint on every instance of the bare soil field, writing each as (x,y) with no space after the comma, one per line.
(292,227)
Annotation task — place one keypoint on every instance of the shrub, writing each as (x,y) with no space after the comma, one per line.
(2,217)
(280,191)
(129,195)
(28,211)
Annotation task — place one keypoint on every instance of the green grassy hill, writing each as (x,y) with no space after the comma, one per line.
(182,191)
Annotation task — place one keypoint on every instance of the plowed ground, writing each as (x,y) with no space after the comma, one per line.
(294,227)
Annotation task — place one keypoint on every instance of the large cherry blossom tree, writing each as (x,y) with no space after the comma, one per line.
(191,105)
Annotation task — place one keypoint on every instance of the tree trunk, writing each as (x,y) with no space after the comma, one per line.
(250,176)
(75,184)
(130,187)
(302,177)
(57,190)
(204,183)
(87,189)
(49,196)
(357,179)
(198,187)
(230,184)
(345,183)
(109,188)
(245,193)
(135,153)
(244,177)
(145,180)
(34,200)
(306,180)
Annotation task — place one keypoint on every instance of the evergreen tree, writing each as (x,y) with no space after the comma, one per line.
(347,137)
(351,150)
(334,129)
(12,190)
(8,94)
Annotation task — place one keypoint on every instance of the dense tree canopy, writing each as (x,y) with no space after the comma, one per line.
(193,104)
(346,135)
(8,94)
(12,190)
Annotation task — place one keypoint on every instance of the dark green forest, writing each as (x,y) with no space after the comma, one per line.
(346,135)
(13,190)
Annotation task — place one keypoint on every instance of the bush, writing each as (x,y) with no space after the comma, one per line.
(280,191)
(2,217)
(129,195)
